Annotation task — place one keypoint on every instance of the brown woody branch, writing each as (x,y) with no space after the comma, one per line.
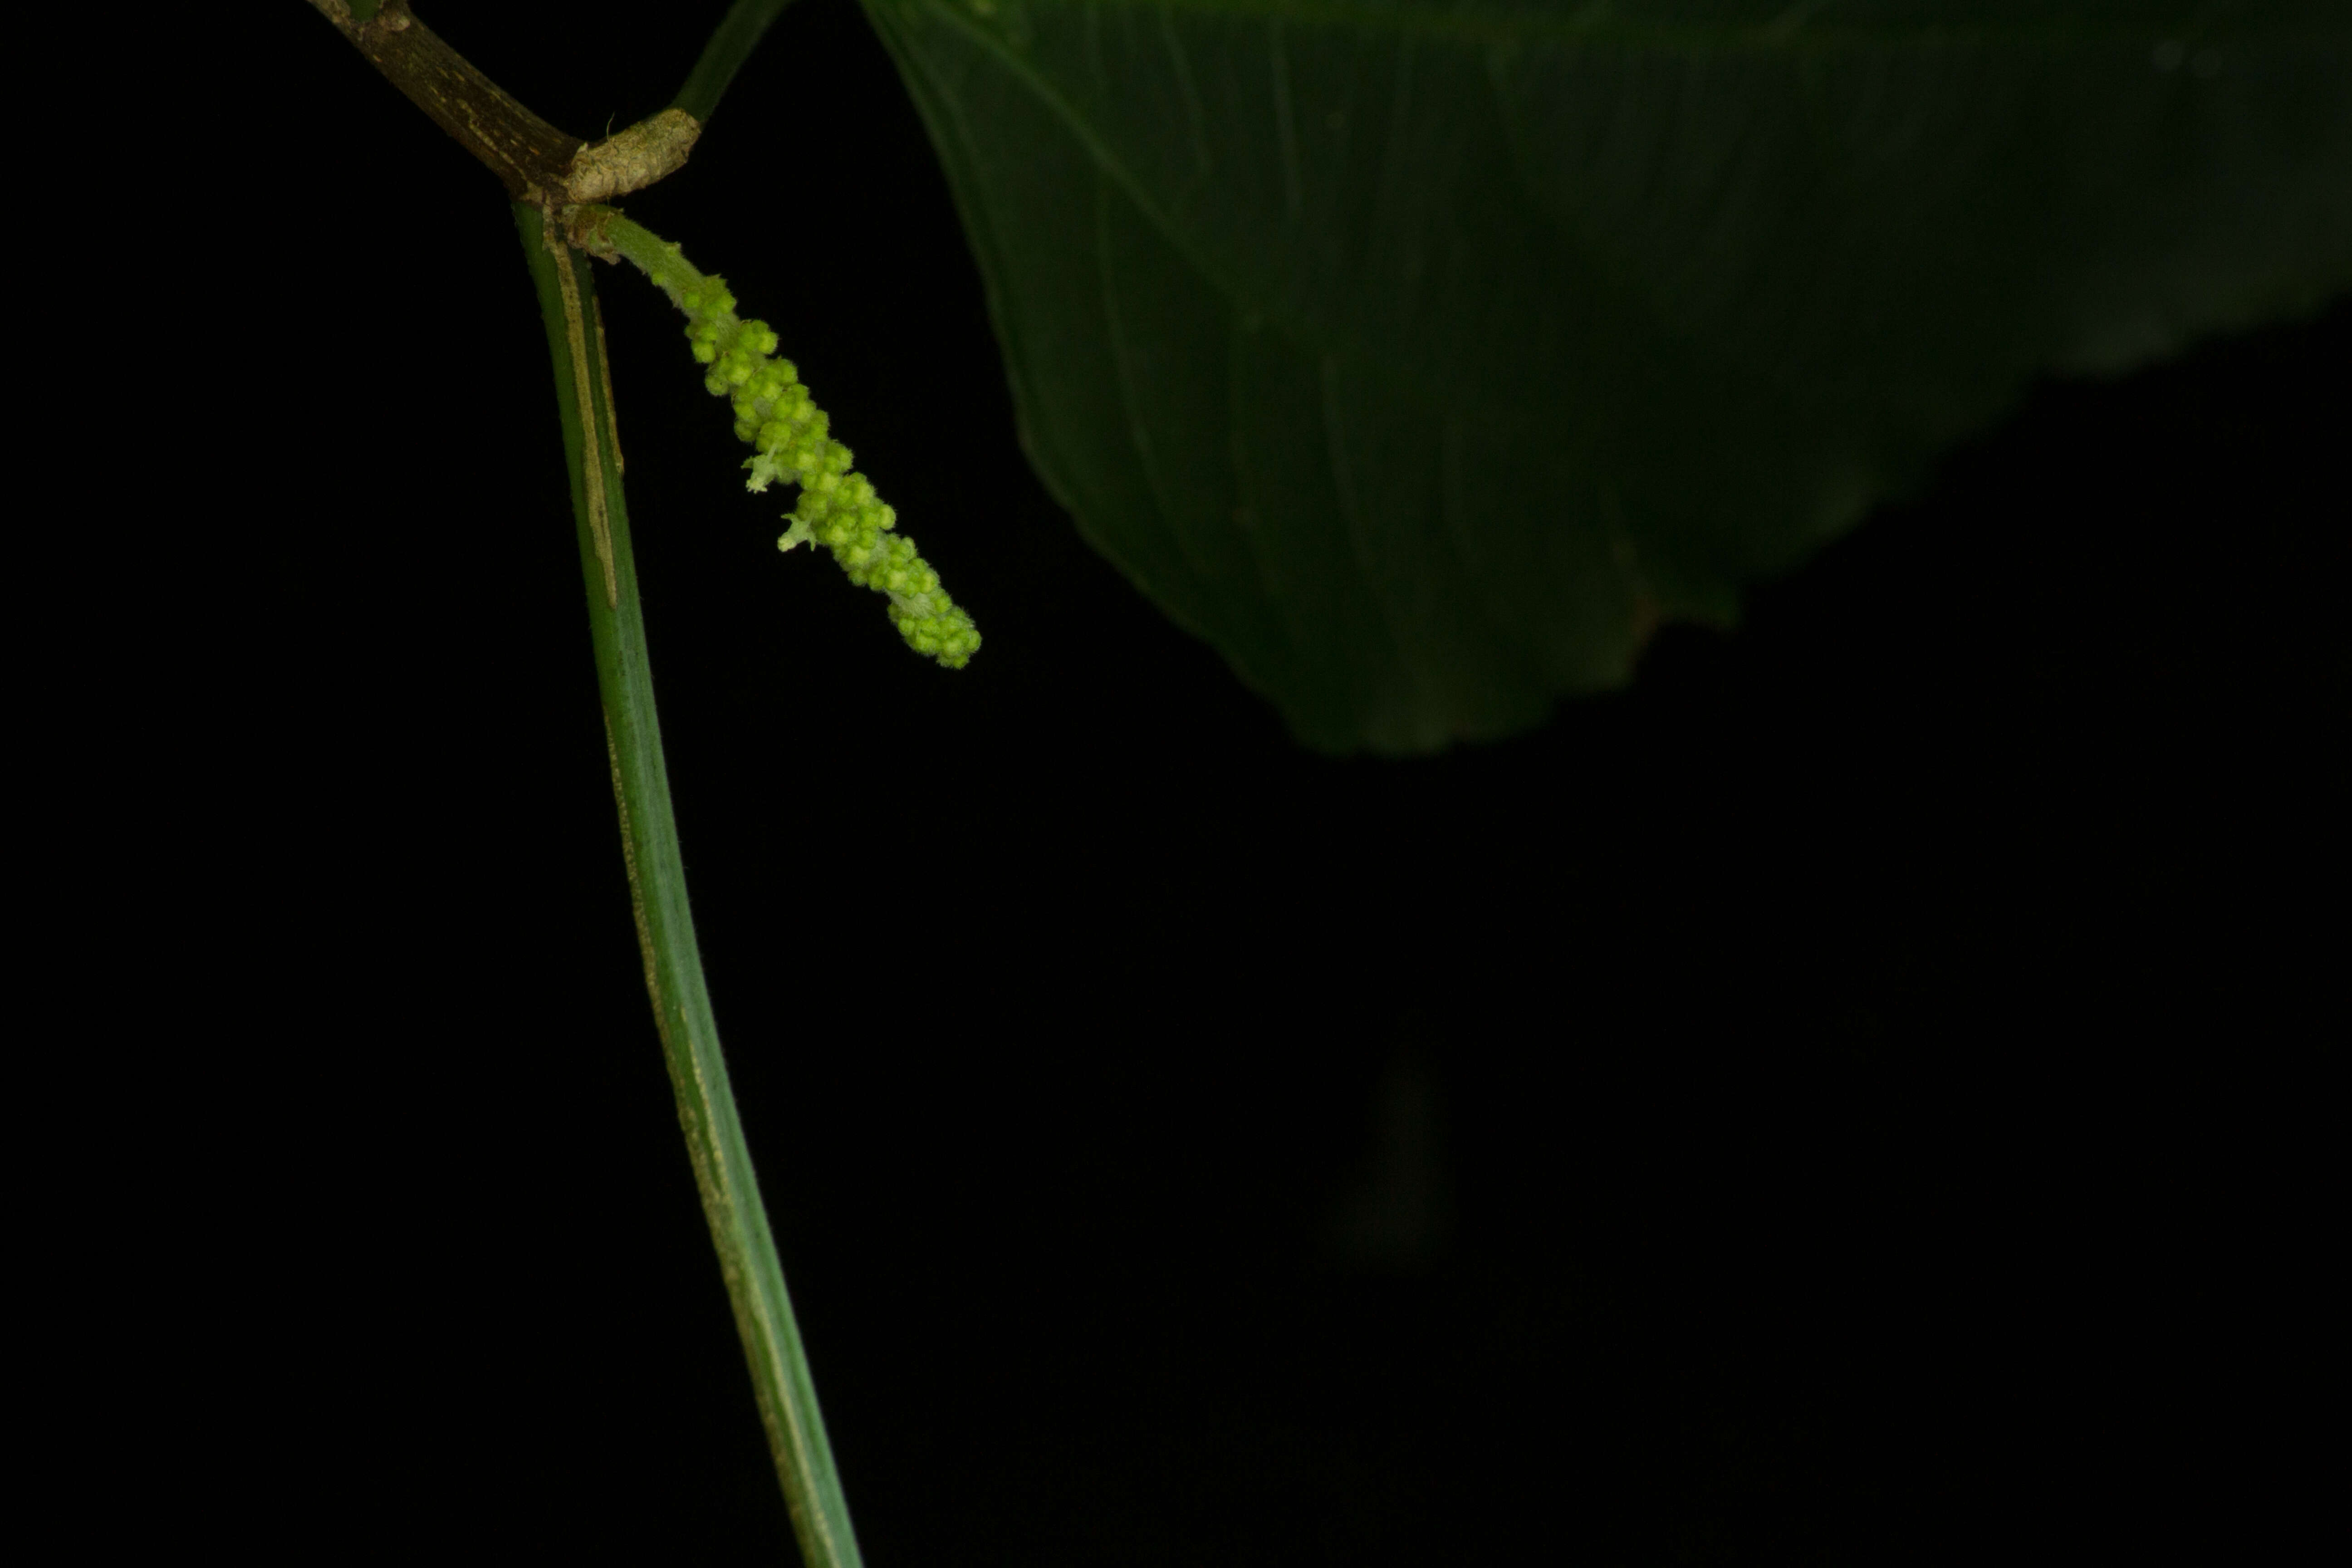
(537,163)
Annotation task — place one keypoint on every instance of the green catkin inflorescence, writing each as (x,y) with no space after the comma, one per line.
(793,442)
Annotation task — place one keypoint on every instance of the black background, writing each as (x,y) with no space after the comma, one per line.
(1829,1102)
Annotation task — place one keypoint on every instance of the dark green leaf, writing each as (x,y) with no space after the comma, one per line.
(1424,357)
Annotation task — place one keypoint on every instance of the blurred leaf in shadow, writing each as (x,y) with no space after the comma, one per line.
(1426,355)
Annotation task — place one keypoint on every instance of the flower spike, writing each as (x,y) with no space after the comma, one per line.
(791,441)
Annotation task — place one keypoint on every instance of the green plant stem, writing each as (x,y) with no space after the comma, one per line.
(732,42)
(698,1072)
